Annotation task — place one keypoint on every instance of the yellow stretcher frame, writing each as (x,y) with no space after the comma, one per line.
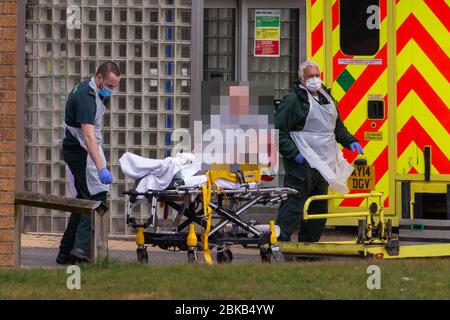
(371,248)
(364,250)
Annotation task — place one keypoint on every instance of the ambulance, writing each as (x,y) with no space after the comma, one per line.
(387,63)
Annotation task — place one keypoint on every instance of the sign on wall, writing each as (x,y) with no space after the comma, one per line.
(267,33)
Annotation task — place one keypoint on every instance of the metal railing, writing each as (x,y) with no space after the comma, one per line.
(97,210)
(366,213)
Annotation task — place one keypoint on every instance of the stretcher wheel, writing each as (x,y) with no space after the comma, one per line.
(277,256)
(192,256)
(142,255)
(264,255)
(361,231)
(224,256)
(269,256)
(389,229)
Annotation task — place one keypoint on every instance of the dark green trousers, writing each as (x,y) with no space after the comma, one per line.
(78,231)
(307,182)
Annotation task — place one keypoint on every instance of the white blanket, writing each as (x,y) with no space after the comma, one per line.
(227,184)
(157,174)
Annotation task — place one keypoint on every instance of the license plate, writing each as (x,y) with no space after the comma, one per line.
(362,178)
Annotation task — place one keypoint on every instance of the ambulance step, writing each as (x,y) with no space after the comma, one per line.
(424,230)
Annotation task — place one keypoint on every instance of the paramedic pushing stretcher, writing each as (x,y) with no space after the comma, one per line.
(82,151)
(309,129)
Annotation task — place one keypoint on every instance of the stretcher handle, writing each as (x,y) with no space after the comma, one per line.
(241,177)
(133,192)
(308,216)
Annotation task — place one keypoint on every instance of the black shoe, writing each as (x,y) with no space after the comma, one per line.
(63,258)
(79,256)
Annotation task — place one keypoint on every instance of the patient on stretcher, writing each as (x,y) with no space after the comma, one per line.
(171,172)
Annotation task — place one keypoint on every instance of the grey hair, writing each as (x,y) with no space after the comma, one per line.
(304,65)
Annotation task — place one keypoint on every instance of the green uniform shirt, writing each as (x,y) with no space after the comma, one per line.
(81,108)
(291,114)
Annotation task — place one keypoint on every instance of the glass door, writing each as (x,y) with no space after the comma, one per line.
(280,71)
(219,45)
(219,40)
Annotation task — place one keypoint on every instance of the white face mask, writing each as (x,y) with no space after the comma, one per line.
(313,84)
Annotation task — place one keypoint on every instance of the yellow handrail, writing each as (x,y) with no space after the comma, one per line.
(307,216)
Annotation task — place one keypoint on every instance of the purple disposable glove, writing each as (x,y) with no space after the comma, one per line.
(356,146)
(105,176)
(299,158)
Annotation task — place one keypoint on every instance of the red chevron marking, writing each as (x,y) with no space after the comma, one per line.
(412,131)
(335,15)
(413,171)
(383,10)
(386,202)
(352,202)
(441,10)
(338,68)
(360,87)
(317,38)
(413,80)
(411,28)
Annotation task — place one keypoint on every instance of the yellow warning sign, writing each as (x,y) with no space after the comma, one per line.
(268,33)
(374,136)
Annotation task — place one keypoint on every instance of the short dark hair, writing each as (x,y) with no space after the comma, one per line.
(108,67)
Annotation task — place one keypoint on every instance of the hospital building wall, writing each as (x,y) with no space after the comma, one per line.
(150,40)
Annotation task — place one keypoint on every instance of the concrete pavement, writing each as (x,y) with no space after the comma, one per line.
(40,250)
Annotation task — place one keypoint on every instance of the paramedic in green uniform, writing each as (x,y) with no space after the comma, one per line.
(86,169)
(309,129)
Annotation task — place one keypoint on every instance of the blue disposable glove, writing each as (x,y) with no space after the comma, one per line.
(299,158)
(105,176)
(356,146)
